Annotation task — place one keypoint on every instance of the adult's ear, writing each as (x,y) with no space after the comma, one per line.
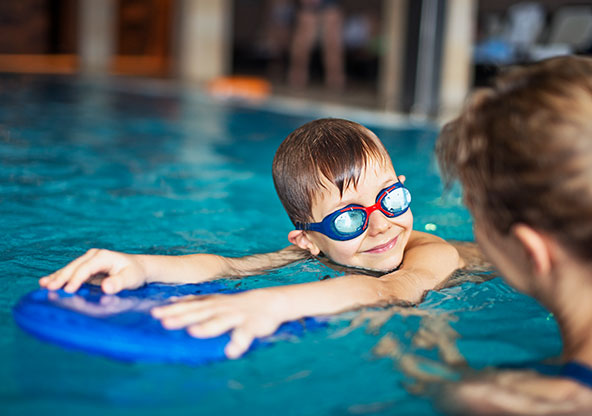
(300,238)
(536,246)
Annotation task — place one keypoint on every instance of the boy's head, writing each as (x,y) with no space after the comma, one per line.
(326,165)
(321,152)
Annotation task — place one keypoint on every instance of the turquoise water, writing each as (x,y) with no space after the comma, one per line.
(171,172)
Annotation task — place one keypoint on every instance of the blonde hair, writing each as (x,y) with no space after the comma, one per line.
(523,151)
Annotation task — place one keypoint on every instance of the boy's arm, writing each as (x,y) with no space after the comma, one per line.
(126,271)
(196,268)
(427,263)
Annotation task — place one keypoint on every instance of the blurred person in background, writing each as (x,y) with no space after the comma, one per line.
(314,18)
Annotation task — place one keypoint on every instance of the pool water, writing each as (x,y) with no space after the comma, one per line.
(136,168)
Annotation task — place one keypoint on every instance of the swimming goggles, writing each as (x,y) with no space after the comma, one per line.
(351,221)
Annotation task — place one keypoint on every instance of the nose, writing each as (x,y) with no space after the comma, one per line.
(377,223)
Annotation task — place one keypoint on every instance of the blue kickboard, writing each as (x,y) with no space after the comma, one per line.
(120,326)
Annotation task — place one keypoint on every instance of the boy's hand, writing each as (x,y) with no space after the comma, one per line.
(249,314)
(123,271)
(129,271)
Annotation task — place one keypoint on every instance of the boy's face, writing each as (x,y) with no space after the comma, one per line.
(382,245)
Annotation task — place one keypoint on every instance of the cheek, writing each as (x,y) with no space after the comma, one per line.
(489,248)
(499,253)
(409,221)
(405,223)
(342,251)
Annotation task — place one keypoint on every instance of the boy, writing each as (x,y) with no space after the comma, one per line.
(338,185)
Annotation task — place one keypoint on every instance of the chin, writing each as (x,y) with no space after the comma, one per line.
(391,267)
(389,261)
(386,266)
(381,264)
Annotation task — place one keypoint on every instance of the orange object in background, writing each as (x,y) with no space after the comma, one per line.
(240,87)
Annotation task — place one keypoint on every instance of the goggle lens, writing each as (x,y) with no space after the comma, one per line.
(396,200)
(350,222)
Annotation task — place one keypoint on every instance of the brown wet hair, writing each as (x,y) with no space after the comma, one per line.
(329,149)
(522,150)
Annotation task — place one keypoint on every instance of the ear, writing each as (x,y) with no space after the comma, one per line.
(402,179)
(300,238)
(536,246)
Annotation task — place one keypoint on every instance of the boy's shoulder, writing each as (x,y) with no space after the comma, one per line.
(466,253)
(420,237)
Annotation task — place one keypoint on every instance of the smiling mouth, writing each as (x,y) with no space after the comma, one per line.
(383,247)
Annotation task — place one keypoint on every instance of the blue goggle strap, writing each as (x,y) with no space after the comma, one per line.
(312,226)
(325,227)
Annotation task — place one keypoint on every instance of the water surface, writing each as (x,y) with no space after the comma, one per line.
(171,172)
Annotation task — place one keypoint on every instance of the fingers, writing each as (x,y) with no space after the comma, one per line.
(240,342)
(112,284)
(52,280)
(216,325)
(84,271)
(117,269)
(97,279)
(246,314)
(182,305)
(402,179)
(204,320)
(127,278)
(173,317)
(56,280)
(241,339)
